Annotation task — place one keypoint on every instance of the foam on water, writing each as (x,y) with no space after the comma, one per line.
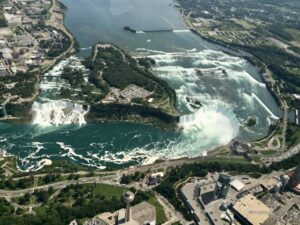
(211,125)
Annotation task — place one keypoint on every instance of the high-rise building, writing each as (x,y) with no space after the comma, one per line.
(294,182)
(284,181)
(222,186)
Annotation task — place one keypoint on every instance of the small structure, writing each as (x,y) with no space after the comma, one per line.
(237,185)
(73,222)
(155,178)
(3,71)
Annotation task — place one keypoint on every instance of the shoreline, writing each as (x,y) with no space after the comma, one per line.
(253,60)
(231,49)
(143,165)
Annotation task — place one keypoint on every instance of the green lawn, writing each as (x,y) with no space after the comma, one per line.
(268,152)
(109,191)
(160,214)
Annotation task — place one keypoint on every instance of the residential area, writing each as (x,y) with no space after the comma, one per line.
(32,39)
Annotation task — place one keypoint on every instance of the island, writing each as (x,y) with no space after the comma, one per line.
(118,87)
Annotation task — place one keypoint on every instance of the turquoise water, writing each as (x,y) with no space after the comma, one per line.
(229,99)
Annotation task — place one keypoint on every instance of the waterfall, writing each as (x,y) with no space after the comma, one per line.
(4,108)
(186,119)
(48,109)
(58,112)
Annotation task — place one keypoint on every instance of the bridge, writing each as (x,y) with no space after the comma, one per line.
(160,30)
(51,76)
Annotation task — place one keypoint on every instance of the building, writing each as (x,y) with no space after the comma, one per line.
(6,53)
(268,183)
(140,214)
(198,198)
(155,178)
(250,211)
(294,181)
(222,186)
(237,185)
(13,20)
(284,181)
(3,71)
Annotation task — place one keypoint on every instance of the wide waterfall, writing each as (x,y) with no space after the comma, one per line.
(58,112)
(49,110)
(215,123)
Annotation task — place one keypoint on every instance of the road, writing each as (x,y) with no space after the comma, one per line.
(171,214)
(107,176)
(284,128)
(57,185)
(285,155)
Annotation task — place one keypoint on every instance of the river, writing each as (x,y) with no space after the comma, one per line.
(229,88)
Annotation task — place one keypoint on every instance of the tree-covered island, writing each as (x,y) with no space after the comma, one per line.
(118,87)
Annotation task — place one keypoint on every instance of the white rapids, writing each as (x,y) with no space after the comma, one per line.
(211,125)
(47,111)
(58,112)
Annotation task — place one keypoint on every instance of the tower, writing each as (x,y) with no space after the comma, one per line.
(294,182)
(222,186)
(128,197)
(295,178)
(284,181)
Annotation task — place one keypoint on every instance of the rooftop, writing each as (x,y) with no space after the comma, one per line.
(237,184)
(252,209)
(143,213)
(140,214)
